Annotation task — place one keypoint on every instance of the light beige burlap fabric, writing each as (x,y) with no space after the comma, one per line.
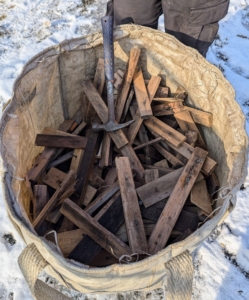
(49,90)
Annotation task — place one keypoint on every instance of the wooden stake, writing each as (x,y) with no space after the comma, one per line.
(133,218)
(170,214)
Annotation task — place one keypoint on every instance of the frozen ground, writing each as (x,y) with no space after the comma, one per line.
(27,27)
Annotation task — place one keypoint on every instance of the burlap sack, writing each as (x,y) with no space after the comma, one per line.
(49,91)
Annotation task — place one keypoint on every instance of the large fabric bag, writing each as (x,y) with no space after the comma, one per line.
(49,91)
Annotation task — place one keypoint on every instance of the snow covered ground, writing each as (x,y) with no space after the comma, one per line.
(29,26)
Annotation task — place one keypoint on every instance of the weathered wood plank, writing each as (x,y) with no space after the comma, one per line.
(41,199)
(60,160)
(133,218)
(176,163)
(142,98)
(59,141)
(200,117)
(76,159)
(101,235)
(174,205)
(148,143)
(54,178)
(151,175)
(200,197)
(67,182)
(162,164)
(132,64)
(165,131)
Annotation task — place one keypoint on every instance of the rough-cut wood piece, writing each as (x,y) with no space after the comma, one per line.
(98,82)
(192,137)
(59,141)
(41,198)
(162,110)
(90,193)
(117,81)
(67,182)
(68,240)
(142,98)
(106,144)
(152,86)
(135,126)
(79,128)
(153,212)
(134,161)
(101,109)
(176,163)
(148,151)
(133,218)
(122,232)
(171,212)
(102,198)
(200,197)
(186,220)
(96,181)
(132,64)
(66,125)
(61,160)
(76,159)
(86,166)
(162,92)
(201,117)
(29,188)
(162,171)
(87,248)
(186,150)
(213,184)
(148,143)
(127,105)
(186,122)
(162,164)
(180,93)
(151,175)
(102,236)
(167,101)
(111,176)
(159,189)
(54,178)
(165,131)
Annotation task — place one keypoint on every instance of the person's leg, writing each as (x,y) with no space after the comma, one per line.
(194,22)
(142,12)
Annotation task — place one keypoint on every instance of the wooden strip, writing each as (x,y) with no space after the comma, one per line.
(176,163)
(167,100)
(87,248)
(90,193)
(102,198)
(70,178)
(162,171)
(153,212)
(133,218)
(79,128)
(104,161)
(186,150)
(162,110)
(135,126)
(127,105)
(101,109)
(60,160)
(165,131)
(141,95)
(58,141)
(151,175)
(91,227)
(54,178)
(51,131)
(148,150)
(200,117)
(148,143)
(48,154)
(98,82)
(132,64)
(200,197)
(159,189)
(86,166)
(76,159)
(162,164)
(169,216)
(162,92)
(111,176)
(186,122)
(41,198)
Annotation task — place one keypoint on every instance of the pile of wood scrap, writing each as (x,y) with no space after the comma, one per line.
(130,192)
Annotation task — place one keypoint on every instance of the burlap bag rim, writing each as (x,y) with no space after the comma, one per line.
(16,214)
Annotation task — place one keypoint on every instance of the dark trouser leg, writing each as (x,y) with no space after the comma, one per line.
(194,22)
(142,12)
